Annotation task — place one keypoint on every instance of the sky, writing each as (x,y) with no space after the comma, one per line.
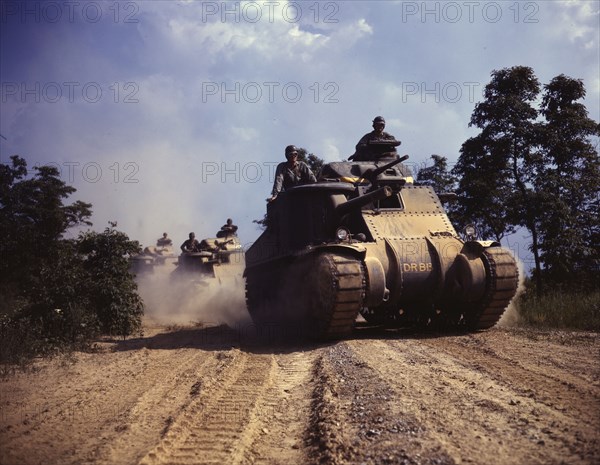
(172,115)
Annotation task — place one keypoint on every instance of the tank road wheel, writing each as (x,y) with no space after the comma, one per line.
(502,278)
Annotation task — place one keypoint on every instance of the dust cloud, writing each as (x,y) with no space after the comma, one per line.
(172,297)
(511,316)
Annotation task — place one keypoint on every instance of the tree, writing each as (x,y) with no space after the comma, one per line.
(437,175)
(33,219)
(569,184)
(543,175)
(314,162)
(442,181)
(56,291)
(482,190)
(498,167)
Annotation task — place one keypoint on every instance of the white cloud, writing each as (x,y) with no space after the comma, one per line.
(329,150)
(244,134)
(579,22)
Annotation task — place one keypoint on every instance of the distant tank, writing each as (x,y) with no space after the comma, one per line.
(367,240)
(150,258)
(217,260)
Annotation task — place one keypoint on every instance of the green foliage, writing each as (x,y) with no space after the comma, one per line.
(32,219)
(54,292)
(437,175)
(495,166)
(569,185)
(561,309)
(483,190)
(111,289)
(541,175)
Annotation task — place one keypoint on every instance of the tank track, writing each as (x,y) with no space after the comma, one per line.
(502,282)
(322,293)
(338,307)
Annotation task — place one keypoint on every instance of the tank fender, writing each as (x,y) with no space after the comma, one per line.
(478,246)
(357,249)
(377,292)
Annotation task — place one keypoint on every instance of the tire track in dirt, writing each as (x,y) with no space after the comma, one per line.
(355,418)
(200,395)
(90,406)
(285,412)
(256,412)
(525,373)
(561,350)
(475,414)
(159,403)
(217,426)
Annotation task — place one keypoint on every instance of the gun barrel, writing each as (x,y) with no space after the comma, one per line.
(363,200)
(371,175)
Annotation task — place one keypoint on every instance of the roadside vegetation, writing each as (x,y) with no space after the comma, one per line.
(57,293)
(566,309)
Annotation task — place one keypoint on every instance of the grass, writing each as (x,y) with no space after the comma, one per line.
(573,310)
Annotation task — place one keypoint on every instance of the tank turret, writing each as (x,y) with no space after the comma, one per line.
(367,240)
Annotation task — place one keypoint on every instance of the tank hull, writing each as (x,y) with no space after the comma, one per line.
(401,263)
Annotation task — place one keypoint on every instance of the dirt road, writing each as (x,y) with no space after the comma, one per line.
(195,395)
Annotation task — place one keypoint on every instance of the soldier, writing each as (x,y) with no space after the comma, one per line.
(362,151)
(291,173)
(228,229)
(191,245)
(164,241)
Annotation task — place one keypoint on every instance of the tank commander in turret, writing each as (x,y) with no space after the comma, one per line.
(291,173)
(377,134)
(228,229)
(164,241)
(191,245)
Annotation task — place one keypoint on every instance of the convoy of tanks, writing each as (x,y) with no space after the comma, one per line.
(364,240)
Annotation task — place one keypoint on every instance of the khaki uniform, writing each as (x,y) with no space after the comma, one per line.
(286,177)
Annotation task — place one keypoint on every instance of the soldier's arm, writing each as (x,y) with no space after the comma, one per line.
(278,182)
(307,174)
(362,143)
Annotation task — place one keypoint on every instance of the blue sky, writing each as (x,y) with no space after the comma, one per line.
(171,115)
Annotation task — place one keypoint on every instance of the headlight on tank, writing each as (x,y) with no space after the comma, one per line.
(342,234)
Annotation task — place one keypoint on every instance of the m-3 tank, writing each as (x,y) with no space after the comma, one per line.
(218,259)
(367,240)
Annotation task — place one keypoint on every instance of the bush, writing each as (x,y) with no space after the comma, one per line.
(111,288)
(57,293)
(83,290)
(562,309)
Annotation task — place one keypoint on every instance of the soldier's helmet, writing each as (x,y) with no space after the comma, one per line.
(289,150)
(378,119)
